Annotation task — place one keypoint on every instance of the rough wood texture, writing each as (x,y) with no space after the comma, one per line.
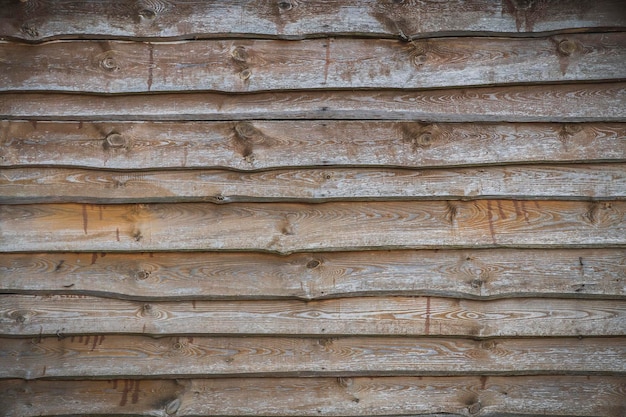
(477,274)
(602,102)
(38,20)
(261,65)
(262,145)
(384,396)
(37,185)
(93,356)
(24,315)
(292,227)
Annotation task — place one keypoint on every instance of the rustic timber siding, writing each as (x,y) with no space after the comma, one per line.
(313,208)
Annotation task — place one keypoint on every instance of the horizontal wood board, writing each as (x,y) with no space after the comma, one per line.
(261,65)
(36,21)
(600,102)
(295,227)
(390,396)
(470,273)
(96,356)
(523,182)
(61,315)
(256,145)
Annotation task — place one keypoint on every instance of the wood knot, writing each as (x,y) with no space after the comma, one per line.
(284,6)
(147,14)
(245,130)
(114,140)
(312,264)
(172,407)
(245,74)
(566,47)
(239,54)
(108,63)
(477,283)
(572,128)
(178,346)
(474,408)
(345,382)
(142,275)
(419,135)
(488,345)
(29,30)
(419,59)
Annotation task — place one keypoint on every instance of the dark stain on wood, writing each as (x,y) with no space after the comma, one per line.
(492,231)
(85,218)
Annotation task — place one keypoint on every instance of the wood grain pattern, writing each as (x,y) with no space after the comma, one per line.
(602,102)
(38,20)
(91,356)
(253,145)
(573,182)
(293,227)
(60,315)
(471,273)
(261,65)
(392,396)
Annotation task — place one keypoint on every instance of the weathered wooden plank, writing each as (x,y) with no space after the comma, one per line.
(262,144)
(24,315)
(366,396)
(35,21)
(261,65)
(602,102)
(92,356)
(292,227)
(475,274)
(45,185)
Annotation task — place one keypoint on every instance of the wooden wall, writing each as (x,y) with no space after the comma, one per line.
(313,208)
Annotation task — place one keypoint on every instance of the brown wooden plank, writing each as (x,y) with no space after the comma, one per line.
(91,356)
(262,65)
(24,315)
(474,274)
(45,185)
(366,396)
(292,227)
(262,144)
(39,20)
(537,103)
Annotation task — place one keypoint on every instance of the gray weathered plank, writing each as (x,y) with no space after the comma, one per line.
(294,227)
(38,20)
(476,274)
(262,144)
(91,356)
(603,102)
(538,396)
(262,65)
(572,182)
(24,315)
